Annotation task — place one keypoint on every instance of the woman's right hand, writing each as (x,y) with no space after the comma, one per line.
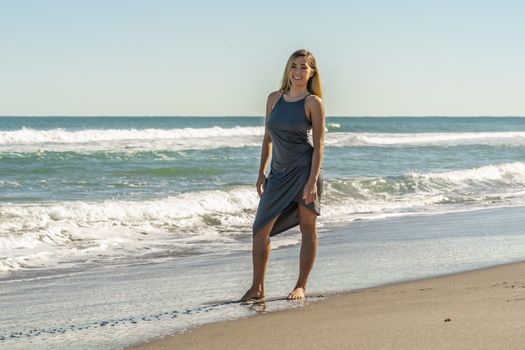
(261,184)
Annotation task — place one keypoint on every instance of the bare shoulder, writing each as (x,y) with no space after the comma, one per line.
(274,96)
(271,101)
(314,101)
(314,106)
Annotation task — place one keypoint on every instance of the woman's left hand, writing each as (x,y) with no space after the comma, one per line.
(310,192)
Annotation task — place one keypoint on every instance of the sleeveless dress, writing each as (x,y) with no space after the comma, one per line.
(292,149)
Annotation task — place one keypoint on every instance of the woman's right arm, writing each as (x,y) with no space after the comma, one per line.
(266,150)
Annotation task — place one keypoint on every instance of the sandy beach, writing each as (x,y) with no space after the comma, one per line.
(480,309)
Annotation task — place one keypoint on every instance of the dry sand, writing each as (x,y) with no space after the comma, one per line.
(481,309)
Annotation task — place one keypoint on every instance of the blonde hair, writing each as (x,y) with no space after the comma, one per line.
(314,83)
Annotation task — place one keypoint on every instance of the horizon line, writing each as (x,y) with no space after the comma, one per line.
(257,116)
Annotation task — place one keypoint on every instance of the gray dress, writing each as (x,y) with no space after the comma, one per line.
(290,167)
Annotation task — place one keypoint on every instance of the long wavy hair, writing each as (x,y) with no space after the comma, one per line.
(314,83)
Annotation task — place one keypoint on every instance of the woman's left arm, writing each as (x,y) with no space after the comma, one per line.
(317,116)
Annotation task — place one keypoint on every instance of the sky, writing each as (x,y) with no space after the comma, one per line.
(223,58)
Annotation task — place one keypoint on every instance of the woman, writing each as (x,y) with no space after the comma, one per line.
(291,194)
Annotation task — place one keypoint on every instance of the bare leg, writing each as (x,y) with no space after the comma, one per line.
(260,256)
(307,223)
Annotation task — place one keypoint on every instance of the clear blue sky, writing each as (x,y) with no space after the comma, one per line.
(214,58)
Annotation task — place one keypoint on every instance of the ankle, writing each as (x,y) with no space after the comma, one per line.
(257,287)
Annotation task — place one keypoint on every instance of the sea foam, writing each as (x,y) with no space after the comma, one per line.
(198,222)
(131,140)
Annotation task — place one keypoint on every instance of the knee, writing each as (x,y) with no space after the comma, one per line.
(309,232)
(262,236)
(260,232)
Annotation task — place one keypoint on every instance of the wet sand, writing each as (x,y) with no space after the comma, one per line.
(480,309)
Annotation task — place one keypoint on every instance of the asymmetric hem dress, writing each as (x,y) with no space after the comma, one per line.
(290,167)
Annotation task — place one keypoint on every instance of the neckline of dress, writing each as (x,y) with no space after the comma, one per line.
(282,97)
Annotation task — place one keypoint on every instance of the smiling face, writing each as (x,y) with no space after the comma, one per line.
(300,71)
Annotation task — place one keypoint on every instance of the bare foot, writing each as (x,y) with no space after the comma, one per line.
(296,294)
(252,294)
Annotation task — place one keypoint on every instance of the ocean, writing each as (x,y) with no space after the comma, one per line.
(97,206)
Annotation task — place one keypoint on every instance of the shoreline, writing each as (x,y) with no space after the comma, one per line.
(145,302)
(461,310)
